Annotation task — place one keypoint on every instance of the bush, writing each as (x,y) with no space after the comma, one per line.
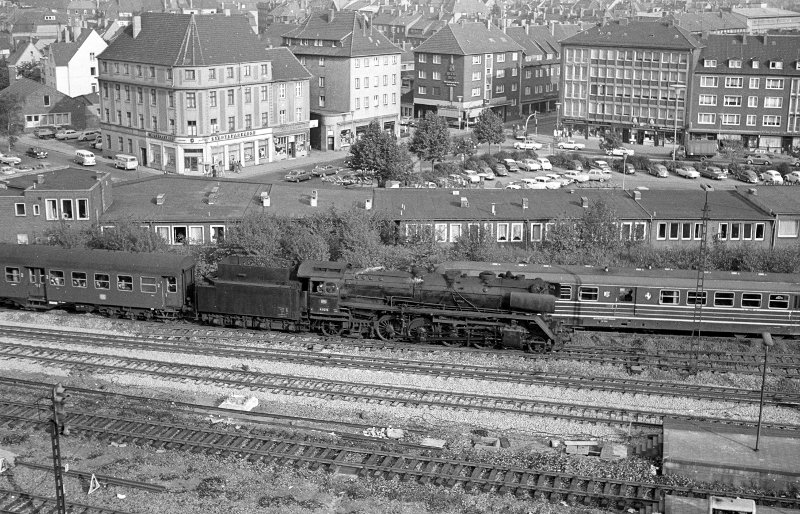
(783,168)
(489,160)
(443,169)
(639,162)
(561,160)
(503,155)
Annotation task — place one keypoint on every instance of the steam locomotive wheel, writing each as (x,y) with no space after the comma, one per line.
(420,330)
(452,336)
(331,328)
(483,339)
(388,327)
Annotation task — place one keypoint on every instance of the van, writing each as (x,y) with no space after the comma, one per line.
(85,157)
(126,162)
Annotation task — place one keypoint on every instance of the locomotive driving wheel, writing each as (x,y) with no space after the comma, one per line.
(388,327)
(420,330)
(482,339)
(331,328)
(452,336)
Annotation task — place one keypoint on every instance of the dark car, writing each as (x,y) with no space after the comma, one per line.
(758,159)
(298,176)
(712,172)
(746,175)
(500,170)
(36,152)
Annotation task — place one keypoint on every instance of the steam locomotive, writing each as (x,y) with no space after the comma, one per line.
(450,308)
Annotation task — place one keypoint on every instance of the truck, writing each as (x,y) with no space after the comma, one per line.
(698,149)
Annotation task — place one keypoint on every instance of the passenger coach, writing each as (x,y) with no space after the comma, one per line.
(651,299)
(142,285)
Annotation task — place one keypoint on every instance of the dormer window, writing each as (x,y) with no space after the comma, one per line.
(797,65)
(710,63)
(776,65)
(317,42)
(735,63)
(755,64)
(49,17)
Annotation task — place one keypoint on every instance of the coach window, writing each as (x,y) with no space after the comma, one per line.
(56,278)
(148,284)
(125,282)
(669,297)
(566,293)
(751,300)
(693,298)
(662,231)
(172,285)
(78,279)
(102,281)
(588,293)
(723,299)
(12,274)
(625,294)
(779,301)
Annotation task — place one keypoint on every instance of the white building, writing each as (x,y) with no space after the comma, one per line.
(71,67)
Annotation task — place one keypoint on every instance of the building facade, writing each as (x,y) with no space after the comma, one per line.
(192,93)
(356,76)
(747,88)
(631,77)
(71,67)
(42,105)
(465,68)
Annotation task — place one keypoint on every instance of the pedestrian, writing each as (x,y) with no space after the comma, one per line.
(214,170)
(238,165)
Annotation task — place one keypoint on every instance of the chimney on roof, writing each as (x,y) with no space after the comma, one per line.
(464,201)
(553,28)
(40,179)
(753,191)
(314,197)
(160,198)
(137,25)
(368,204)
(585,202)
(637,195)
(524,203)
(265,201)
(494,209)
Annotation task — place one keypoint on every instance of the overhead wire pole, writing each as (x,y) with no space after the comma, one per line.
(699,290)
(59,399)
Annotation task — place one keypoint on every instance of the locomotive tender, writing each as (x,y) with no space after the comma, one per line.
(330,297)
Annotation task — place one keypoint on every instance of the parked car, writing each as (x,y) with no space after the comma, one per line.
(98,143)
(89,135)
(627,169)
(44,132)
(500,170)
(769,177)
(7,170)
(9,159)
(576,165)
(793,177)
(36,152)
(576,176)
(67,134)
(532,183)
(544,162)
(298,176)
(619,151)
(529,165)
(686,172)
(511,164)
(514,185)
(598,175)
(528,144)
(603,165)
(562,180)
(322,170)
(570,145)
(713,172)
(746,175)
(659,170)
(486,173)
(471,176)
(758,159)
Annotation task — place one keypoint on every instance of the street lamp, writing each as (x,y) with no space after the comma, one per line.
(558,116)
(677,88)
(768,343)
(531,115)
(624,168)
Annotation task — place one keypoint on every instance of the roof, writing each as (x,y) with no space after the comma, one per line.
(187,40)
(698,22)
(778,200)
(468,39)
(762,48)
(681,204)
(63,51)
(645,34)
(285,66)
(23,88)
(69,179)
(764,12)
(539,40)
(352,32)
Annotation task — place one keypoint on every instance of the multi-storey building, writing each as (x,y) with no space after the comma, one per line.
(185,93)
(356,76)
(71,67)
(631,77)
(747,88)
(465,68)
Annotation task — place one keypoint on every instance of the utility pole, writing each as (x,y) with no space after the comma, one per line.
(58,427)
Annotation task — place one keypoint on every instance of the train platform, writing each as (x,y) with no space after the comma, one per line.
(710,452)
(684,505)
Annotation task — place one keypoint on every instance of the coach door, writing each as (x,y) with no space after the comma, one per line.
(624,304)
(36,283)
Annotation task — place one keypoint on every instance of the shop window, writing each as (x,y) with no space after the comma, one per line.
(102,281)
(79,279)
(124,282)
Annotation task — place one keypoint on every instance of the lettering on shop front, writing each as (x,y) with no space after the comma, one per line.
(163,137)
(220,137)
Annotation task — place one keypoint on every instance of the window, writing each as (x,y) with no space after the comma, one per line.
(282,116)
(751,120)
(476,91)
(476,59)
(751,300)
(263,93)
(588,293)
(385,99)
(736,229)
(734,82)
(754,82)
(298,89)
(66,209)
(709,63)
(437,59)
(516,232)
(421,90)
(455,228)
(708,99)
(776,65)
(124,283)
(565,293)
(706,118)
(217,233)
(264,119)
(246,70)
(735,63)
(376,100)
(501,73)
(759,232)
(19,209)
(212,98)
(500,58)
(773,102)
(56,278)
(695,297)
(322,81)
(500,88)
(771,121)
(708,81)
(191,126)
(435,76)
(440,232)
(476,75)
(229,72)
(661,231)
(189,74)
(322,100)
(152,97)
(321,61)
(230,95)
(774,83)
(733,101)
(502,232)
(13,275)
(282,91)
(669,297)
(778,301)
(248,95)
(83,209)
(212,74)
(420,58)
(232,123)
(420,74)
(358,103)
(752,101)
(394,98)
(127,93)
(172,285)
(723,231)
(264,70)
(79,279)
(723,299)
(536,232)
(786,228)
(148,284)
(755,64)
(731,119)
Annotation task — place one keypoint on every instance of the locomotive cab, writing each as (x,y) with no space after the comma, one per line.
(323,296)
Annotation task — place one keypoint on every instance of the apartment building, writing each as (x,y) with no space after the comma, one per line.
(356,76)
(747,88)
(465,68)
(186,93)
(630,76)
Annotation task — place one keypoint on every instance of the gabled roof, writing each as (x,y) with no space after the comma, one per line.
(69,179)
(778,200)
(187,40)
(285,66)
(23,88)
(352,32)
(764,12)
(21,53)
(468,39)
(762,48)
(645,34)
(538,39)
(63,52)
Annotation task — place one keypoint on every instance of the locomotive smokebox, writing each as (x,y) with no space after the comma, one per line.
(530,302)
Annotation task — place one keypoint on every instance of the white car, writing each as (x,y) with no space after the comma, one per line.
(619,151)
(67,134)
(769,177)
(486,173)
(792,177)
(529,165)
(544,162)
(514,185)
(89,135)
(576,176)
(472,176)
(570,145)
(598,175)
(564,181)
(10,159)
(7,170)
(548,182)
(533,183)
(687,172)
(528,144)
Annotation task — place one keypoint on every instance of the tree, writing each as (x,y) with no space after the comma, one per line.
(378,151)
(431,140)
(611,139)
(256,236)
(30,70)
(732,149)
(489,129)
(10,118)
(463,146)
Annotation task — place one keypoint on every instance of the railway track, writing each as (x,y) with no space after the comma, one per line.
(314,455)
(350,391)
(19,502)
